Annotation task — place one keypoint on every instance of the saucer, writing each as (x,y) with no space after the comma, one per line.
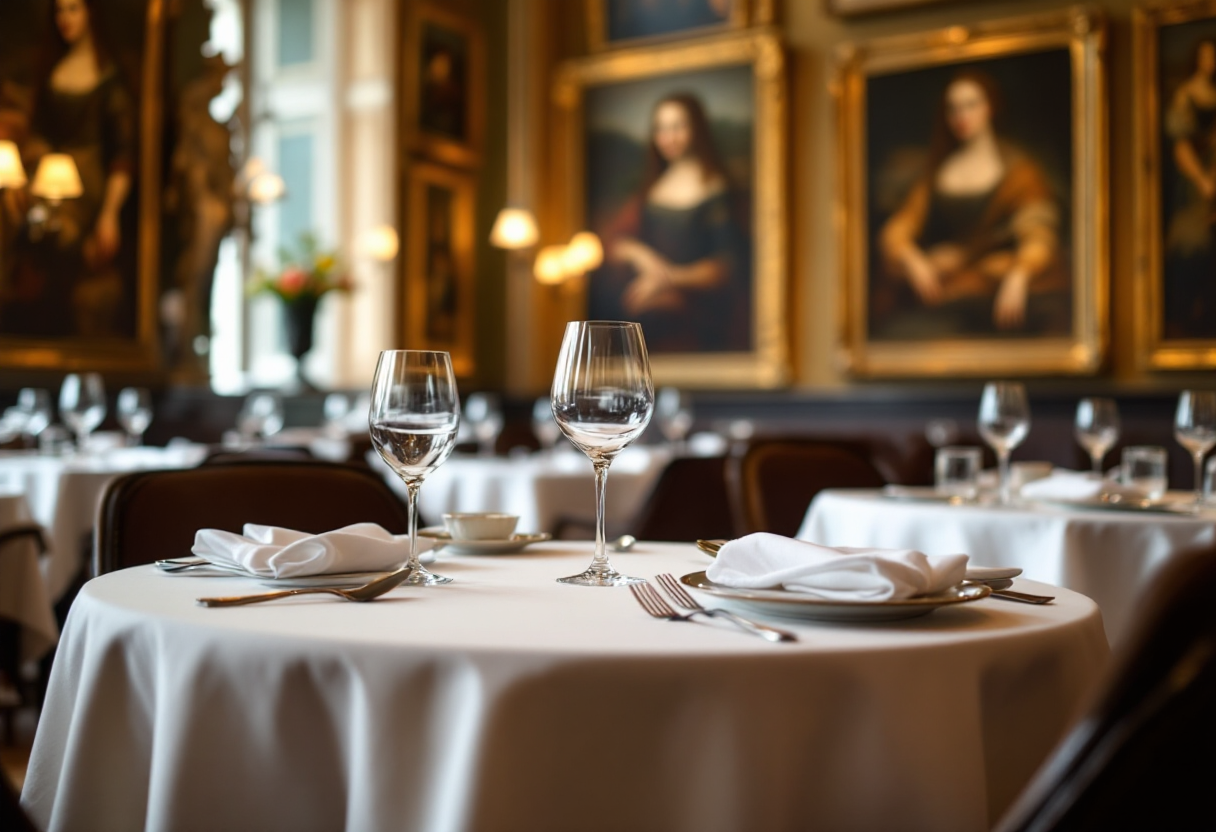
(514,543)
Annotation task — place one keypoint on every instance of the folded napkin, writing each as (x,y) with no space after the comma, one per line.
(1076,485)
(273,552)
(766,561)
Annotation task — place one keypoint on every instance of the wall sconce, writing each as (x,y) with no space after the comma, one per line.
(57,178)
(379,243)
(514,228)
(556,264)
(12,172)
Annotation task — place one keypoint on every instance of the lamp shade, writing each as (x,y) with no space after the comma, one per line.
(379,243)
(583,253)
(550,265)
(266,187)
(514,228)
(12,172)
(57,178)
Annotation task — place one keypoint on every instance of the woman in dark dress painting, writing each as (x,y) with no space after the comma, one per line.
(66,278)
(677,256)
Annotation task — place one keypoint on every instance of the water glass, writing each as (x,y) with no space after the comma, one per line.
(957,472)
(1004,421)
(82,405)
(134,409)
(1144,467)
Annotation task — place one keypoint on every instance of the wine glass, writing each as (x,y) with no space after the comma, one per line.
(336,409)
(134,409)
(484,414)
(82,404)
(1195,430)
(35,404)
(1097,428)
(414,415)
(543,425)
(673,408)
(602,399)
(1004,421)
(261,416)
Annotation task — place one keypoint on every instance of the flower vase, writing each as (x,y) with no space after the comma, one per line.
(298,317)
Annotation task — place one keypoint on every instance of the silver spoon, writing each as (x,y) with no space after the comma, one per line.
(367,592)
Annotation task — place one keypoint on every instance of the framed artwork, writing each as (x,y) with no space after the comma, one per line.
(439,309)
(974,200)
(614,23)
(846,8)
(1175,76)
(79,242)
(443,89)
(675,157)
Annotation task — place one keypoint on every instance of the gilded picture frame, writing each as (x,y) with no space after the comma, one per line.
(1061,332)
(1164,260)
(443,71)
(125,339)
(438,306)
(751,64)
(700,19)
(850,8)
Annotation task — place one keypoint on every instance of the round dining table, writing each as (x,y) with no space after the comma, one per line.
(506,701)
(1109,554)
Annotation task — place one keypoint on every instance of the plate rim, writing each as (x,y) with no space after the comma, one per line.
(439,533)
(973,592)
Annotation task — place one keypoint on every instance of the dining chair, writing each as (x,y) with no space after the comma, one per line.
(151,515)
(1142,756)
(10,631)
(772,480)
(223,456)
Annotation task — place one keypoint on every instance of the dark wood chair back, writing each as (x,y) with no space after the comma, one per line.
(154,514)
(688,502)
(1142,756)
(773,480)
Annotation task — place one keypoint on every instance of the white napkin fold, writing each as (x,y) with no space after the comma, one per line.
(273,552)
(1076,485)
(765,561)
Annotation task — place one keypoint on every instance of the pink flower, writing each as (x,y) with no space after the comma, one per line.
(292,280)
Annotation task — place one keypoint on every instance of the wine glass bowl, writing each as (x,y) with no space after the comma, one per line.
(602,400)
(261,416)
(413,420)
(544,426)
(82,404)
(1004,421)
(483,412)
(1195,430)
(134,411)
(1097,428)
(673,409)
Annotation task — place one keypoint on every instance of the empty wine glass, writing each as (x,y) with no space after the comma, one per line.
(82,404)
(1097,428)
(543,425)
(134,409)
(1004,421)
(602,399)
(261,416)
(415,413)
(35,404)
(1195,430)
(673,408)
(484,414)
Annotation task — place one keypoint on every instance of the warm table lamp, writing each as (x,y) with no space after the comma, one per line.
(57,178)
(12,172)
(514,228)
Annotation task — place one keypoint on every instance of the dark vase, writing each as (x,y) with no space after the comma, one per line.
(298,317)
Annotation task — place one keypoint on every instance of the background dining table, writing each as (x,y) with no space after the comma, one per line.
(1109,555)
(23,593)
(507,701)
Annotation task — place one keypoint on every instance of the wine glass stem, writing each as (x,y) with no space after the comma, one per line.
(1198,478)
(411,506)
(1096,456)
(600,562)
(1006,492)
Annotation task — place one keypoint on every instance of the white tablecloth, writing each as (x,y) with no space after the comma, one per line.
(23,595)
(64,493)
(540,488)
(507,701)
(1109,556)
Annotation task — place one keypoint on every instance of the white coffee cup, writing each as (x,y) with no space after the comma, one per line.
(480,525)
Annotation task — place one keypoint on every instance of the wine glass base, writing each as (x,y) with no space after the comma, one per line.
(422,577)
(608,577)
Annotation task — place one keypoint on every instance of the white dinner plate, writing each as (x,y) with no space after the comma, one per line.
(512,544)
(800,605)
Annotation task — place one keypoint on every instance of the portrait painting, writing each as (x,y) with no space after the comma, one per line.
(972,220)
(612,23)
(1176,193)
(673,184)
(78,239)
(439,306)
(443,85)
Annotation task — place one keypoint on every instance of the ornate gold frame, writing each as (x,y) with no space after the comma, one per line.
(140,354)
(1082,30)
(846,8)
(413,262)
(1153,352)
(743,13)
(767,363)
(437,147)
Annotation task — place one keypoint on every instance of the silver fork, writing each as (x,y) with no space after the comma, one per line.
(683,599)
(655,605)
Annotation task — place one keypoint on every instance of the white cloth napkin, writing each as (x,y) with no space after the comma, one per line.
(765,561)
(1076,485)
(273,552)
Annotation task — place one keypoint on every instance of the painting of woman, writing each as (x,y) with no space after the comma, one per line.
(676,254)
(976,247)
(1190,204)
(67,278)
